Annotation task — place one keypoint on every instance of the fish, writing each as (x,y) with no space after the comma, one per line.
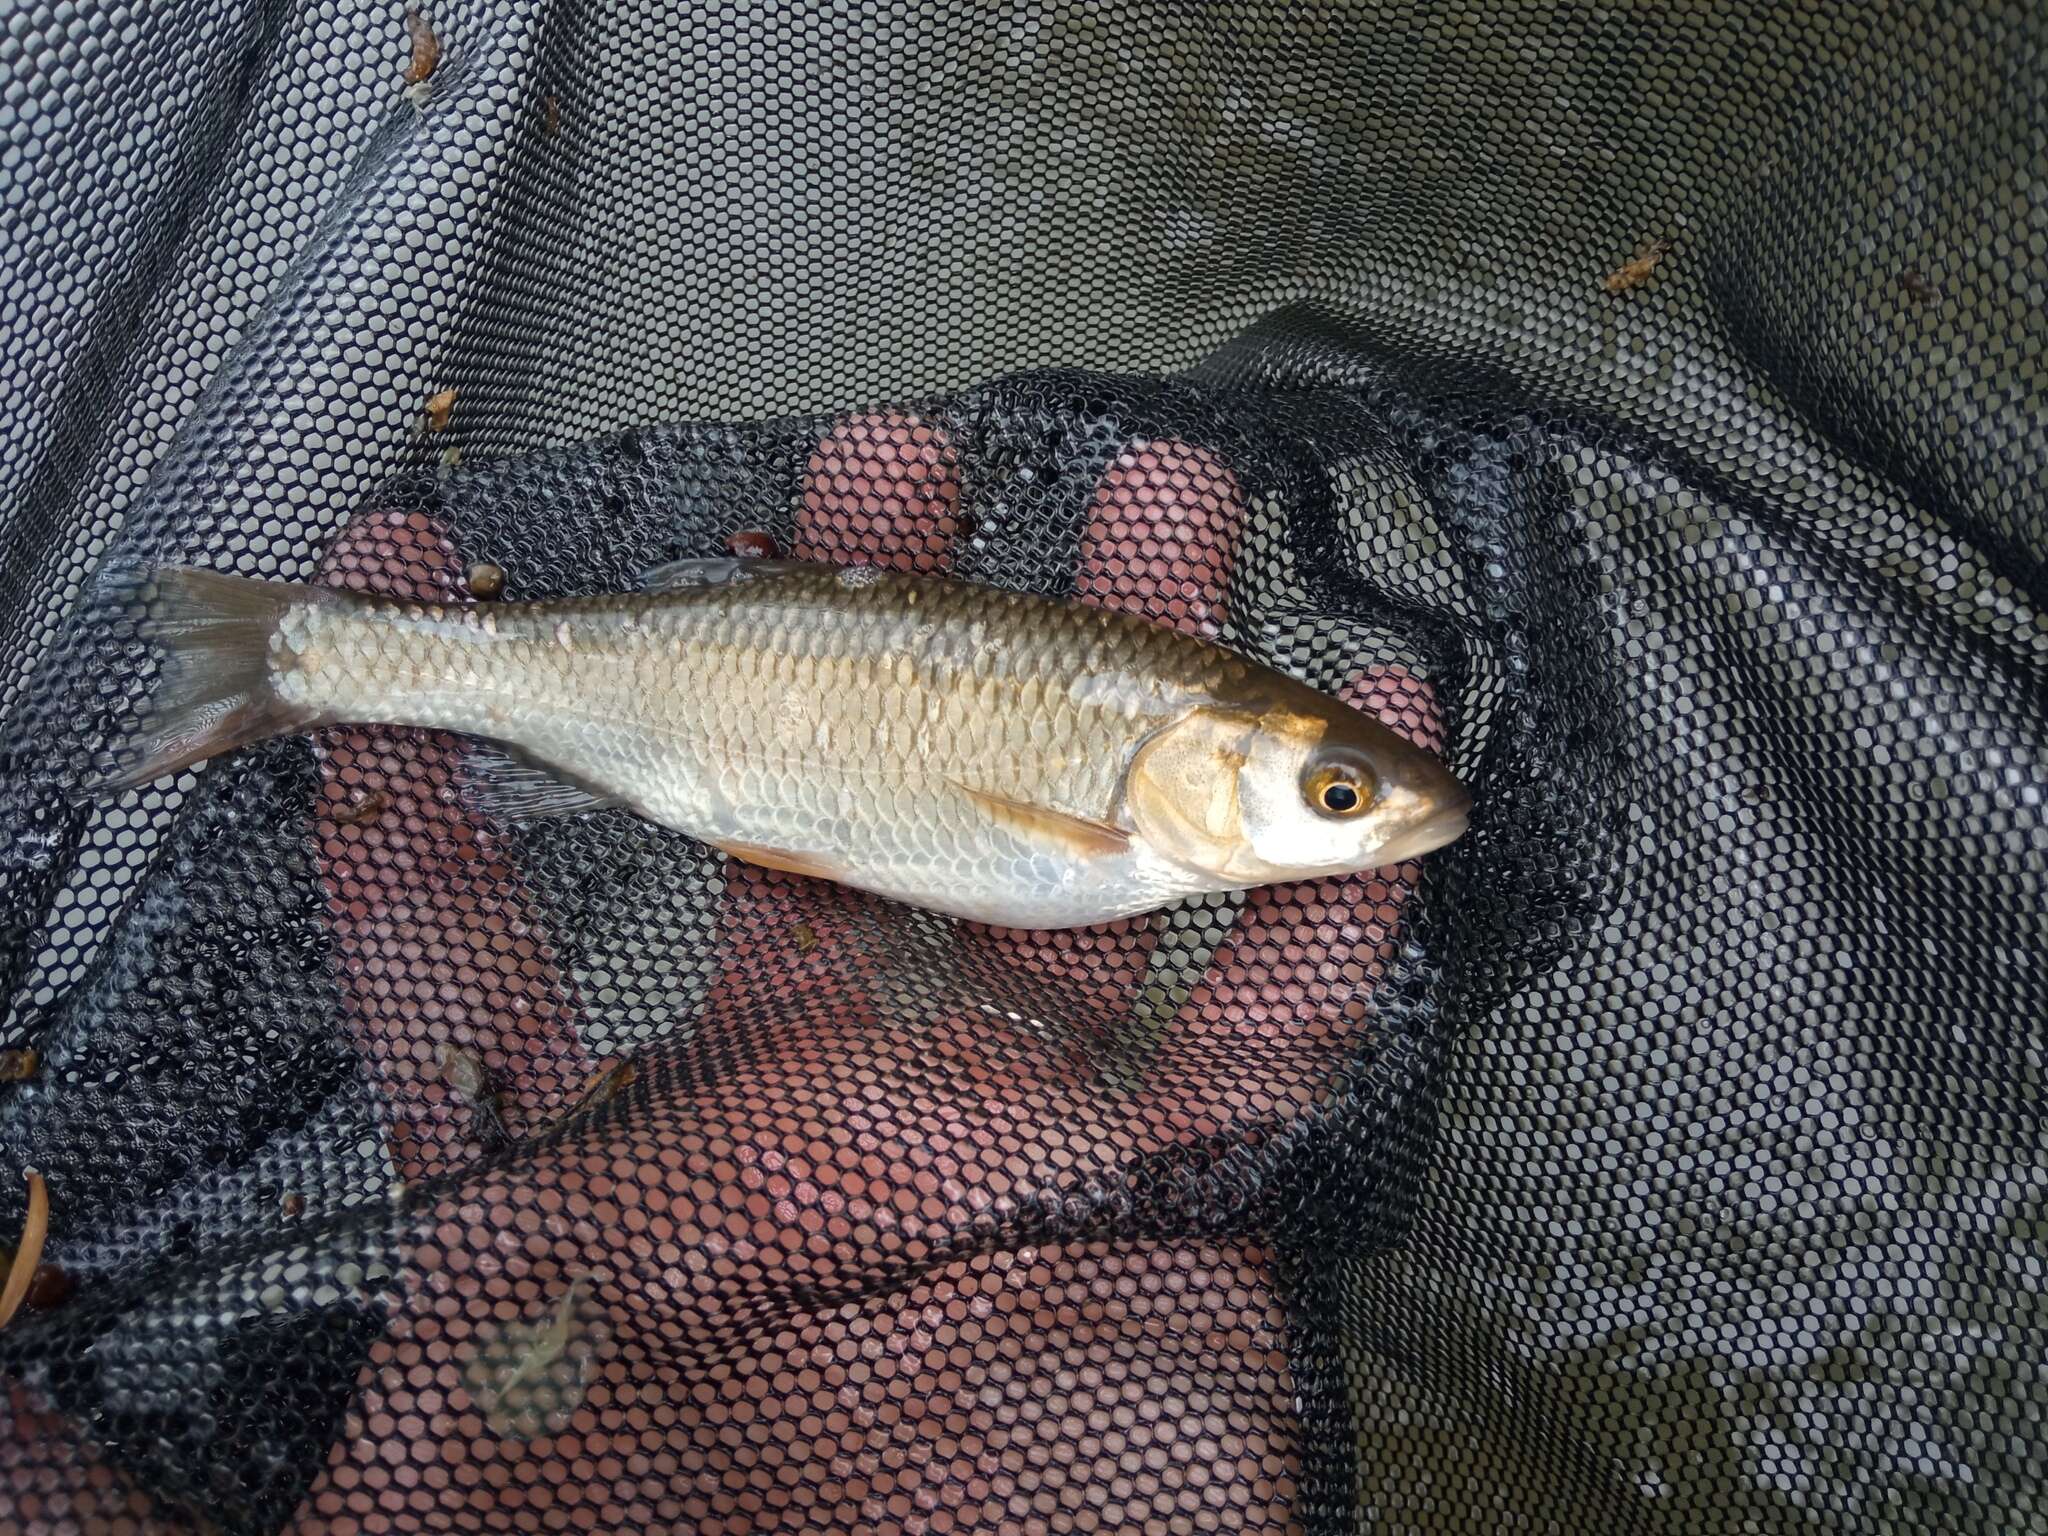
(996,756)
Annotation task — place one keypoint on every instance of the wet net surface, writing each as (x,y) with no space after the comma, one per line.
(1644,406)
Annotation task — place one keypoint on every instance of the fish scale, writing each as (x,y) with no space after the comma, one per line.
(926,701)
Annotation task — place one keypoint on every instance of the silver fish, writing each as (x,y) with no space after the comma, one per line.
(1002,757)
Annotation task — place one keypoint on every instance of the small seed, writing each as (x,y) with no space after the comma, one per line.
(485,580)
(48,1287)
(753,544)
(294,1206)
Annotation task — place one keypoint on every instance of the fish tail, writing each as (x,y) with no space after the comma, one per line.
(214,691)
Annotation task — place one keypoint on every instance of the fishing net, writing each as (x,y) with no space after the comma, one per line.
(1642,404)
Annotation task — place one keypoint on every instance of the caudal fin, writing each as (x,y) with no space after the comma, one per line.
(213,632)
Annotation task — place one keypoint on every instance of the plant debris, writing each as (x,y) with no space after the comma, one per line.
(19,1066)
(551,117)
(617,1074)
(465,1073)
(426,47)
(367,806)
(531,1377)
(440,410)
(1636,271)
(806,938)
(1917,287)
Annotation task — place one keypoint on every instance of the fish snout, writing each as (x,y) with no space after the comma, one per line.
(1442,819)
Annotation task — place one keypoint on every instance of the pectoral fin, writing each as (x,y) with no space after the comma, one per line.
(1070,835)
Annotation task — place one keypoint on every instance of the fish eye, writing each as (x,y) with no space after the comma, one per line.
(1339,789)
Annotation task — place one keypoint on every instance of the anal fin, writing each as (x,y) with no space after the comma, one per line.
(1071,835)
(514,788)
(717,571)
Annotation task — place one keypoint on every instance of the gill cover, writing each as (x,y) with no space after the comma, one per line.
(1182,789)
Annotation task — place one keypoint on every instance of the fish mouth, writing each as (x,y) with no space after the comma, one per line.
(1442,826)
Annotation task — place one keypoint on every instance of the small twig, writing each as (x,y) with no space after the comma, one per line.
(616,1074)
(26,1257)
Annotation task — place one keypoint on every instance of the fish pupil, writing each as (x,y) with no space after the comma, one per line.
(1340,797)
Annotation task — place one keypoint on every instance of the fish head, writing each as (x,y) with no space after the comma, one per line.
(1287,787)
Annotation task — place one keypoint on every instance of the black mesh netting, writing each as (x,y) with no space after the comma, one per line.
(1647,403)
